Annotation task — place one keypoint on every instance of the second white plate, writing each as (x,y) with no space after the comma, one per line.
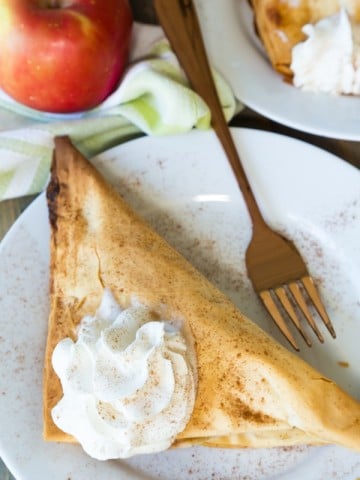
(236,51)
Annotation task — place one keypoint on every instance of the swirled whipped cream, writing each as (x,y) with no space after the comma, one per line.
(329,59)
(128,382)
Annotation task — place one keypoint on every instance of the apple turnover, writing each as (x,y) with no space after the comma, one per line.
(279,24)
(249,391)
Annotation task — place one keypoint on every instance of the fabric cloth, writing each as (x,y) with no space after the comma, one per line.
(153,98)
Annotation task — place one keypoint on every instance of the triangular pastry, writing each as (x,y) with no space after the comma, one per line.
(251,391)
(279,24)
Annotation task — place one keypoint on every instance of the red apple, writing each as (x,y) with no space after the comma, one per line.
(63,55)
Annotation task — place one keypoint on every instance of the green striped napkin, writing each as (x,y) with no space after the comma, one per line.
(153,98)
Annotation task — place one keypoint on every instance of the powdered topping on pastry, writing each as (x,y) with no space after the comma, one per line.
(128,382)
(329,59)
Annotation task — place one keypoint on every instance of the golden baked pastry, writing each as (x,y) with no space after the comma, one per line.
(279,24)
(251,391)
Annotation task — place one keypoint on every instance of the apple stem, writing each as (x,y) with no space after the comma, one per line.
(52,3)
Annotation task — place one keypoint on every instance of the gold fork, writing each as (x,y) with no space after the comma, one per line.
(276,269)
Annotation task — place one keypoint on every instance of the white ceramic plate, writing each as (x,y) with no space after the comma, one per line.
(236,51)
(184,187)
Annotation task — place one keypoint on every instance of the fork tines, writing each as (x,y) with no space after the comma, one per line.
(293,300)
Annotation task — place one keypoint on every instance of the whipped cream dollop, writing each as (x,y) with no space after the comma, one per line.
(128,382)
(329,59)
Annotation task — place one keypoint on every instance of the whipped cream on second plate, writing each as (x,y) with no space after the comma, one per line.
(128,382)
(329,59)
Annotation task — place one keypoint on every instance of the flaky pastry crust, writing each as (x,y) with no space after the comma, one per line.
(251,391)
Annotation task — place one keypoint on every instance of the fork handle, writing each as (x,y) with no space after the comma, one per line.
(180,23)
